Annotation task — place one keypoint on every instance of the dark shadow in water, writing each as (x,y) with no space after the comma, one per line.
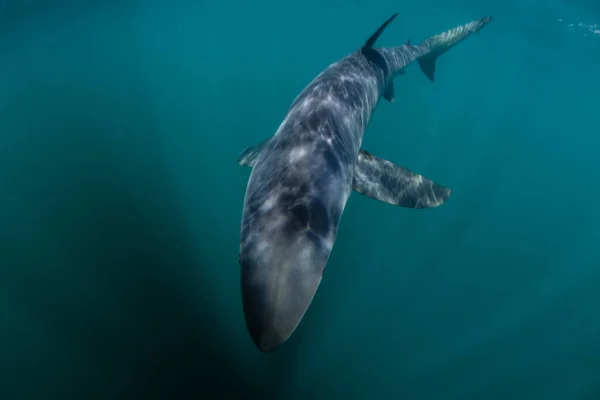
(104,290)
(100,262)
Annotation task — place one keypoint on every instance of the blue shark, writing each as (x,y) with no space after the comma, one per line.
(303,175)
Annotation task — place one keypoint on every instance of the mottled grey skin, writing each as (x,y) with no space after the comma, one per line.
(302,178)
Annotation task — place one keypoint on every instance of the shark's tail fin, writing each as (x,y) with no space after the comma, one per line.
(437,45)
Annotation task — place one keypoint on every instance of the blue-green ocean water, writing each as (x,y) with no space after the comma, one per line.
(121,199)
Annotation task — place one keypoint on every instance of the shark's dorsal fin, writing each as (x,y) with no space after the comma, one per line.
(371,41)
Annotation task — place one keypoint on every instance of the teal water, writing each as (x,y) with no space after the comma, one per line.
(120,203)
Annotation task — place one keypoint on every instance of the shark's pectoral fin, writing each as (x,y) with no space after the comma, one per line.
(249,155)
(389,94)
(379,179)
(384,181)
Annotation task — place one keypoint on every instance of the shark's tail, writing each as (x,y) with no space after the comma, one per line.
(437,45)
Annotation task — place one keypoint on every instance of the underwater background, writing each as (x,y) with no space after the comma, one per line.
(121,199)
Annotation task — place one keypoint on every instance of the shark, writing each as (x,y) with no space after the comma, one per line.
(302,176)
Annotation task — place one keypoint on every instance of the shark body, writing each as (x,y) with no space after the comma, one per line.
(303,176)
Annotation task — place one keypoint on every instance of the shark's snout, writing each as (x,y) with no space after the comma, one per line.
(268,326)
(280,276)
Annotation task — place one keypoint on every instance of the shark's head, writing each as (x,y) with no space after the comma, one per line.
(285,243)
